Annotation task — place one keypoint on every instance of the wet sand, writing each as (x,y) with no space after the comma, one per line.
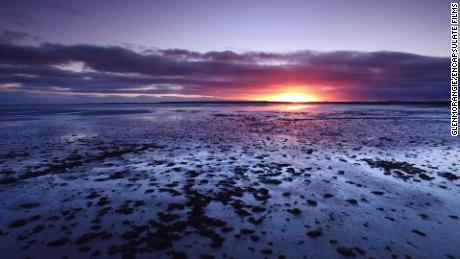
(230,181)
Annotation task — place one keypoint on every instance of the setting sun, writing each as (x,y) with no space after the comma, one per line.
(292,97)
(288,95)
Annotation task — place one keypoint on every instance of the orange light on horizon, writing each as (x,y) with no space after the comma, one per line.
(290,98)
(288,95)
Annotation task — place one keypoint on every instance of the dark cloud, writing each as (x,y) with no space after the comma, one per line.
(11,37)
(347,75)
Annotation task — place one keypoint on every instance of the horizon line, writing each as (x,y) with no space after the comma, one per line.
(438,102)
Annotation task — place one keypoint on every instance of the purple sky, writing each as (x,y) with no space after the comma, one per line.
(336,50)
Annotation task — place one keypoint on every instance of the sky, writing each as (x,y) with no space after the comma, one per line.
(142,51)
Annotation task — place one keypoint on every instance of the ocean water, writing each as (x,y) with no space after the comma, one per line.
(351,110)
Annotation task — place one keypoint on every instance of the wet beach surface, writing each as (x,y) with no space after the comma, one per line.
(229,181)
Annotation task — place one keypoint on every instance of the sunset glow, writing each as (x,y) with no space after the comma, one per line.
(290,94)
(46,65)
(292,98)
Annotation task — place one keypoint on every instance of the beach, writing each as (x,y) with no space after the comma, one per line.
(229,180)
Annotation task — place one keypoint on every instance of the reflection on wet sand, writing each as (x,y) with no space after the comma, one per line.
(210,181)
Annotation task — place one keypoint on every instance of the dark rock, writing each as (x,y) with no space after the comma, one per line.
(345,251)
(418,232)
(17,223)
(59,242)
(315,233)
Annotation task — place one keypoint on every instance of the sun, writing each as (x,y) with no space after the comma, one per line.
(292,98)
(286,94)
(289,97)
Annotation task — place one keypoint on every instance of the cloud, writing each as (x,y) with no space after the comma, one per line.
(114,70)
(12,37)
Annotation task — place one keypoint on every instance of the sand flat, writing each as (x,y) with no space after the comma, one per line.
(229,181)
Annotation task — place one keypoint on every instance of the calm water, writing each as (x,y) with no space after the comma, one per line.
(25,112)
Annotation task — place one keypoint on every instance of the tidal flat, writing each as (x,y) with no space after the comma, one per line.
(229,181)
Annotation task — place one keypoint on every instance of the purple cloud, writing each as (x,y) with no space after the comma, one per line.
(341,75)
